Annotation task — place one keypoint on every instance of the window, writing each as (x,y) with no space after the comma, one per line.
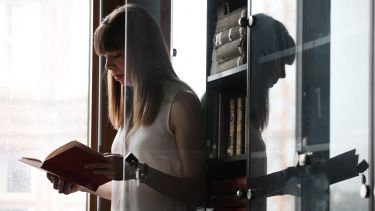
(44,57)
(189,39)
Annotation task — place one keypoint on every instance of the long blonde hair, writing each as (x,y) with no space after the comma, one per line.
(150,63)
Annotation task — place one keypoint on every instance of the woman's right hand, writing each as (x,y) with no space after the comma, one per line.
(63,186)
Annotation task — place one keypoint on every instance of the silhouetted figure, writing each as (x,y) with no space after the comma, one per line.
(271,49)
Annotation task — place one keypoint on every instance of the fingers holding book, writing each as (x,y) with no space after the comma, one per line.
(113,168)
(62,185)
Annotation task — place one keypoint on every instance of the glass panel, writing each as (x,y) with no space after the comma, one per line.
(273,104)
(44,54)
(163,126)
(335,102)
(332,90)
(349,91)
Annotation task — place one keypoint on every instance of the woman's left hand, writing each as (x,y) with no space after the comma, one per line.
(113,168)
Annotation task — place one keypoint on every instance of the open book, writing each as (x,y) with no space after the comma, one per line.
(68,162)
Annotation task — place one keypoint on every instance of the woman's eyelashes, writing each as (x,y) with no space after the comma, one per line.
(113,55)
(117,55)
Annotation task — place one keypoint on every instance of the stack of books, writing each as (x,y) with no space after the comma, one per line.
(228,125)
(229,42)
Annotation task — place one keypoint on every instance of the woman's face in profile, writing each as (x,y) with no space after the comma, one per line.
(115,63)
(272,71)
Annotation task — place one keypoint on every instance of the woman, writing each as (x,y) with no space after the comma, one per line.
(164,121)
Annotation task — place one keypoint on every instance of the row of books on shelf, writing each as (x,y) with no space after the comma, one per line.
(229,42)
(224,194)
(226,125)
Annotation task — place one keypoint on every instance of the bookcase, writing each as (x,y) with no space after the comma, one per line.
(226,106)
(305,133)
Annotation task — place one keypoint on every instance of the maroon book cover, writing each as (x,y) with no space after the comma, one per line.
(68,162)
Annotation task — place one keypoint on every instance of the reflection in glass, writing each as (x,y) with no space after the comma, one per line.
(349,111)
(279,135)
(334,116)
(272,49)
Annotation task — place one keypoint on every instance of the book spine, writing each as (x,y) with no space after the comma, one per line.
(232,127)
(230,20)
(222,125)
(214,64)
(229,35)
(231,50)
(240,126)
(246,124)
(232,63)
(212,124)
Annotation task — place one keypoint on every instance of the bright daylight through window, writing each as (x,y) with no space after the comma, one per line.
(44,57)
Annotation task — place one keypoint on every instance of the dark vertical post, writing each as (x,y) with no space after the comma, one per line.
(93,89)
(372,105)
(248,97)
(315,95)
(299,91)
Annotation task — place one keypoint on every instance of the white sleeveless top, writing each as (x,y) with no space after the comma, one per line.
(156,146)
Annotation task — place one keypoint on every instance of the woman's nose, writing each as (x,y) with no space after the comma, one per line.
(107,64)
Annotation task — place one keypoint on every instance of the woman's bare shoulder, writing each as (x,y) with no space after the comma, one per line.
(186,98)
(185,109)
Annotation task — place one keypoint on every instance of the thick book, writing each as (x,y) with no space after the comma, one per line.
(232,63)
(231,50)
(223,126)
(240,138)
(232,127)
(229,35)
(68,162)
(230,20)
(246,123)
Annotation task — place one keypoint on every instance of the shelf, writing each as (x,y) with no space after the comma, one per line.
(235,158)
(232,80)
(227,73)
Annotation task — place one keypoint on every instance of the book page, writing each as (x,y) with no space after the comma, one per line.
(32,162)
(68,162)
(71,145)
(61,149)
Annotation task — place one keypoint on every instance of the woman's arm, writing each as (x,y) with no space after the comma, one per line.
(103,191)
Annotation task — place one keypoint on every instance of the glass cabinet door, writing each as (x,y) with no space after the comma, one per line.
(273,105)
(335,103)
(309,107)
(164,80)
